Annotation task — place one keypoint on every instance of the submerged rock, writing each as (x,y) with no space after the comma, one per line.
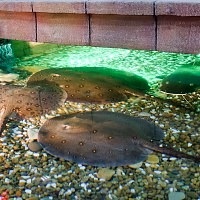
(34,146)
(105,173)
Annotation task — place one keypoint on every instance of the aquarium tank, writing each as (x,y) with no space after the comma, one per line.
(80,122)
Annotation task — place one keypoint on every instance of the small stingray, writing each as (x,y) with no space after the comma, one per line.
(29,102)
(102,138)
(92,84)
(184,80)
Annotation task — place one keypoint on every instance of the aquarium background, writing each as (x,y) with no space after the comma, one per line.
(28,175)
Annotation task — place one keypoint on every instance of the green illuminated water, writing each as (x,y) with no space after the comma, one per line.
(151,65)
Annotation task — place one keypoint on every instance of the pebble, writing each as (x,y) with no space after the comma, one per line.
(105,173)
(32,134)
(153,159)
(18,193)
(136,165)
(176,196)
(34,146)
(144,114)
(28,191)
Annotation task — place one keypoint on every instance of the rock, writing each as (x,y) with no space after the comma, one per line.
(18,193)
(176,196)
(105,173)
(136,165)
(34,146)
(153,159)
(144,114)
(32,134)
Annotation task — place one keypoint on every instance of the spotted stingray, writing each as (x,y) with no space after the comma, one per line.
(93,84)
(103,138)
(29,102)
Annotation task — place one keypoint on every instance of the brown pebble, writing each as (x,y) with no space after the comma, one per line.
(34,146)
(105,173)
(18,193)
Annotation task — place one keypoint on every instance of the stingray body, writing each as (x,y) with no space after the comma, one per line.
(102,138)
(29,102)
(92,84)
(182,81)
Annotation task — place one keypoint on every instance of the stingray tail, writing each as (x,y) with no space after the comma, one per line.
(170,151)
(166,150)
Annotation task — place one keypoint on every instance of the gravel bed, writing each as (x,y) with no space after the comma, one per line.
(33,176)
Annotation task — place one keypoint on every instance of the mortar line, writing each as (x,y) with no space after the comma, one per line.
(89,23)
(156,26)
(35,16)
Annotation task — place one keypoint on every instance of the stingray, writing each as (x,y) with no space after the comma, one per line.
(103,138)
(29,102)
(184,80)
(93,84)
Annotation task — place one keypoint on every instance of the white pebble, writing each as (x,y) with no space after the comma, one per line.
(1,175)
(53,185)
(36,154)
(25,177)
(28,181)
(189,144)
(22,181)
(173,158)
(184,168)
(7,180)
(153,117)
(161,125)
(147,164)
(132,190)
(157,172)
(32,133)
(10,172)
(82,167)
(68,192)
(28,191)
(83,185)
